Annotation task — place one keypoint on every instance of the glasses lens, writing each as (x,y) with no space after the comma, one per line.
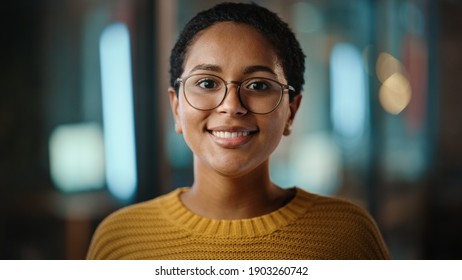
(260,95)
(204,92)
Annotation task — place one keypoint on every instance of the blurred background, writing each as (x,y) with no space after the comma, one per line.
(85,125)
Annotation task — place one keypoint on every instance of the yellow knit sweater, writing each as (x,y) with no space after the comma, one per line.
(308,227)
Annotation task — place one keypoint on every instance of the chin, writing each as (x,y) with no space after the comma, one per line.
(235,169)
(231,171)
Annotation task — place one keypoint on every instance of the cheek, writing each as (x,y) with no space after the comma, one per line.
(278,127)
(280,118)
(273,128)
(191,123)
(185,114)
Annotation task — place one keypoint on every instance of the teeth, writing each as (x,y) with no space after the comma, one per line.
(227,134)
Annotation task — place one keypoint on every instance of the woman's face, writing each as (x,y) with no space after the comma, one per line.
(229,139)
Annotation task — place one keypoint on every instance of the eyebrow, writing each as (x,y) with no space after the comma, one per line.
(207,67)
(247,70)
(258,68)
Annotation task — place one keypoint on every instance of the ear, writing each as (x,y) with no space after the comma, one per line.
(174,103)
(293,106)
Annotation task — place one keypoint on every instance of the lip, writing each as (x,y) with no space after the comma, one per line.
(231,137)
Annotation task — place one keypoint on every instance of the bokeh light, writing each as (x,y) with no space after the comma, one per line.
(395,92)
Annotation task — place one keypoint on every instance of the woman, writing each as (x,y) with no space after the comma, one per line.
(236,80)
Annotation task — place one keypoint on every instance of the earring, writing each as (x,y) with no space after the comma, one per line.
(288,129)
(178,129)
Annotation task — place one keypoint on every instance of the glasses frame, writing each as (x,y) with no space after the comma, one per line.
(284,87)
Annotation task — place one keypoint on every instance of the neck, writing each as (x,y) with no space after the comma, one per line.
(217,196)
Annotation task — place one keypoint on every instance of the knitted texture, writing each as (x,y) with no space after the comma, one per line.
(308,227)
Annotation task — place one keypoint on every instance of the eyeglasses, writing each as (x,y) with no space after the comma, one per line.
(258,95)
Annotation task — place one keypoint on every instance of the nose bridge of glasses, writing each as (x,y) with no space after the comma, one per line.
(237,83)
(229,88)
(234,100)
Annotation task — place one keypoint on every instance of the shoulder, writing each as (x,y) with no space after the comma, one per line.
(345,224)
(120,227)
(338,212)
(138,211)
(333,206)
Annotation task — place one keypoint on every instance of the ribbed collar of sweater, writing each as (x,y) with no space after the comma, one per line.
(175,211)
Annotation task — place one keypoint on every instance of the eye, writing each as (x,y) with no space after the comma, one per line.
(207,83)
(204,84)
(258,85)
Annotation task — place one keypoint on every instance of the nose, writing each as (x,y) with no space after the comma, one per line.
(232,104)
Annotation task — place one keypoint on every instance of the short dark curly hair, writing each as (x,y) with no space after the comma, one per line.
(276,31)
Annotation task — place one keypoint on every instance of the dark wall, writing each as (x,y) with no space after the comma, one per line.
(444,227)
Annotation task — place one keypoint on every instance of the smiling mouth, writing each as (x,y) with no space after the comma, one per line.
(228,134)
(230,139)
